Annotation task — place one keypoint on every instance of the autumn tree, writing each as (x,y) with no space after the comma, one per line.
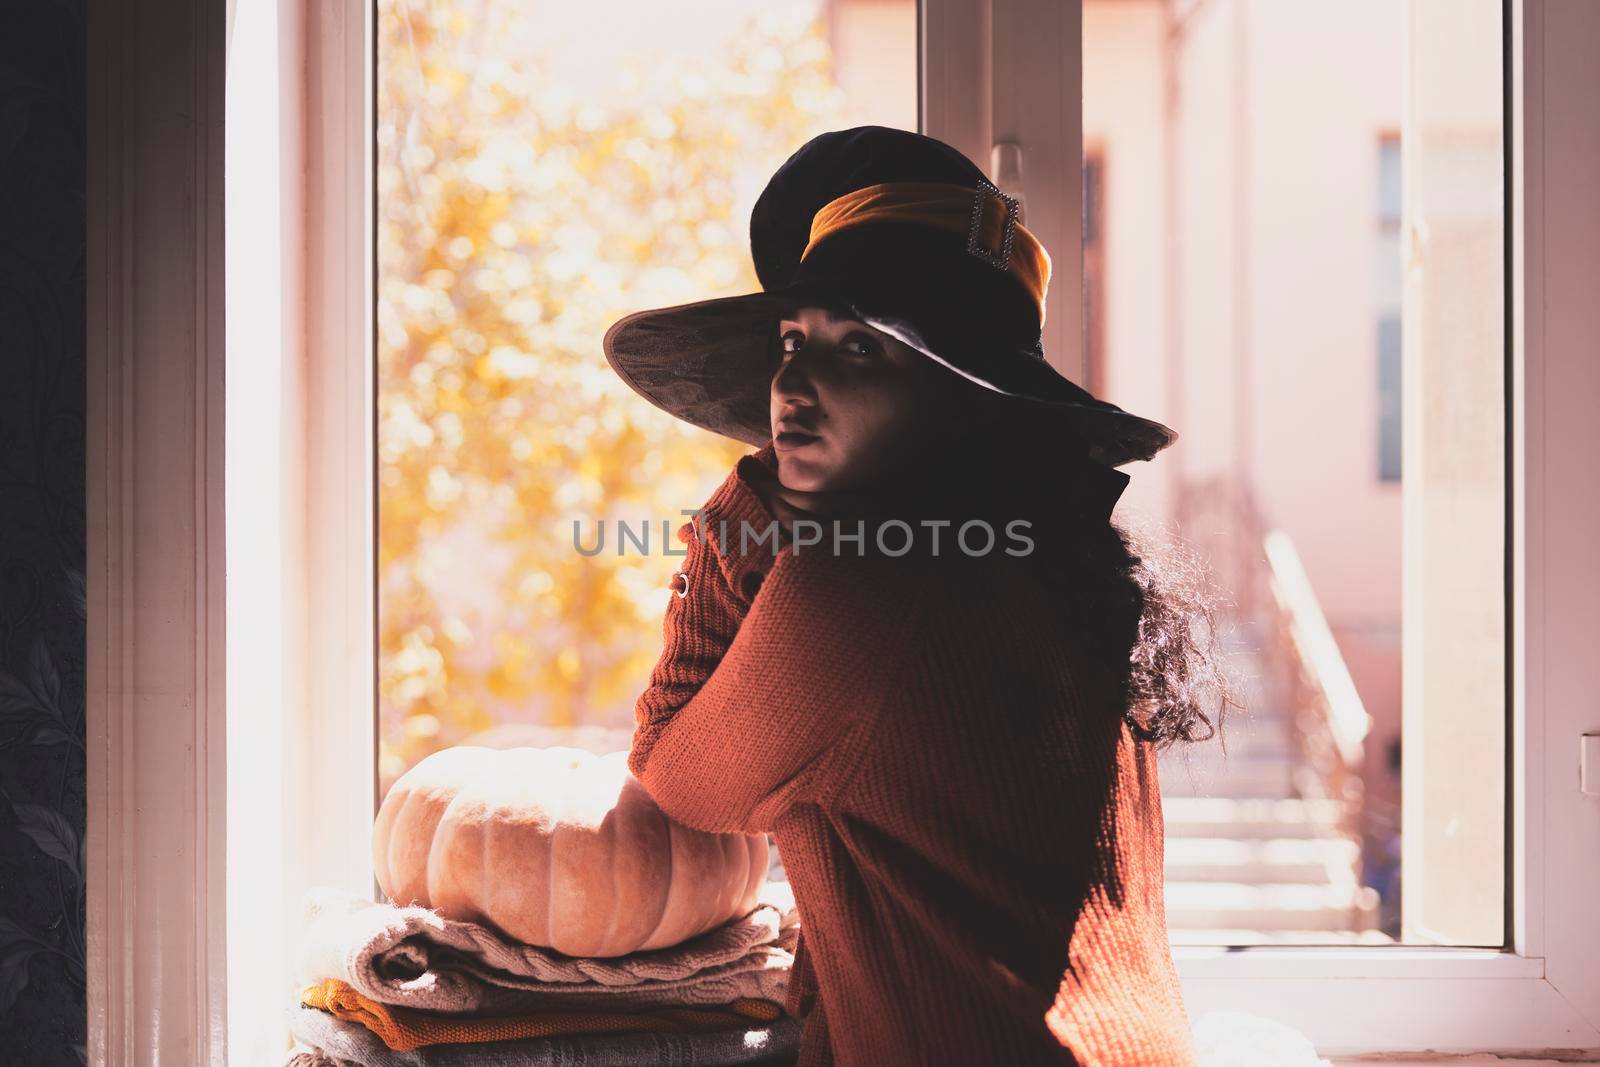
(516,220)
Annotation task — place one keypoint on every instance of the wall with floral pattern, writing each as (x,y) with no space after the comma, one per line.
(43,1019)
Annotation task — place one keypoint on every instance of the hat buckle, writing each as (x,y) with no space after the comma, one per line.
(1001,259)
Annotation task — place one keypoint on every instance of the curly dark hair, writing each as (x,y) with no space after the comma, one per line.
(1157,606)
(1141,596)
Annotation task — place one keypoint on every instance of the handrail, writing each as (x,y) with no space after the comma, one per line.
(1347,716)
(1306,677)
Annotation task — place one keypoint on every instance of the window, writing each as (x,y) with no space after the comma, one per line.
(536,181)
(1239,308)
(303,603)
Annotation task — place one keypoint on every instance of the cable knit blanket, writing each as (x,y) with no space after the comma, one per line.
(324,1041)
(412,956)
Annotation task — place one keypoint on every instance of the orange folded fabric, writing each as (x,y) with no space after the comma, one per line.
(405,1029)
(944,206)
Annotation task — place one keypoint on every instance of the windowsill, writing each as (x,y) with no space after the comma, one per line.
(1468,1060)
(1355,961)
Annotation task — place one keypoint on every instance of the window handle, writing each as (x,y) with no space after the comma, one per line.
(1005,166)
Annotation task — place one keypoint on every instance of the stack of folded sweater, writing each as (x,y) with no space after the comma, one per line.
(388,986)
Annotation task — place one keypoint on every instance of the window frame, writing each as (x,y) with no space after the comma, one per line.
(160,924)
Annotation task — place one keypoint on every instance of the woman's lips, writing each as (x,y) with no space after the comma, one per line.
(789,440)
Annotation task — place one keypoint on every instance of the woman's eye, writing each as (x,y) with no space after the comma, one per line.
(791,341)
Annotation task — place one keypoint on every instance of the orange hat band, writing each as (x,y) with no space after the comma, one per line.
(946,206)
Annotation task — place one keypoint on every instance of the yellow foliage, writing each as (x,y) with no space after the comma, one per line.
(514,224)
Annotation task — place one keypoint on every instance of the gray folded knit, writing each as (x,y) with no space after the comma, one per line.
(415,958)
(324,1040)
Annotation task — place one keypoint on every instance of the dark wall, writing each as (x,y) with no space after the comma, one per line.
(42,148)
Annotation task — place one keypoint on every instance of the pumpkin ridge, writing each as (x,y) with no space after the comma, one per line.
(614,912)
(556,848)
(666,895)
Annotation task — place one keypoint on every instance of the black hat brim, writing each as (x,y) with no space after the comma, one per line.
(710,363)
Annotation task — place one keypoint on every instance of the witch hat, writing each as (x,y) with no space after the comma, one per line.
(894,229)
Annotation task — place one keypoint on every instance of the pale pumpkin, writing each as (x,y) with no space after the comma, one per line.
(559,848)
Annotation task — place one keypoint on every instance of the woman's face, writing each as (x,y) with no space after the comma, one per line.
(847,401)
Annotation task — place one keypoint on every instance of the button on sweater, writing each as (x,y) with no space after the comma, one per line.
(972,831)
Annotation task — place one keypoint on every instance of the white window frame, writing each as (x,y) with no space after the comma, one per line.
(171,792)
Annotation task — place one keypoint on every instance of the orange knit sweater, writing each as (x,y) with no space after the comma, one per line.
(973,834)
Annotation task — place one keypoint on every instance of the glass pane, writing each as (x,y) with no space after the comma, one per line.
(1389,180)
(544,168)
(1389,407)
(1298,267)
(1388,285)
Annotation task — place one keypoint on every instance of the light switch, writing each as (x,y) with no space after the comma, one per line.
(1589,764)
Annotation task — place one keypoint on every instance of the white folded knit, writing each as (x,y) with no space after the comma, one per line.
(416,958)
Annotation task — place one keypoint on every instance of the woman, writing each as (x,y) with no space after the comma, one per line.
(942,682)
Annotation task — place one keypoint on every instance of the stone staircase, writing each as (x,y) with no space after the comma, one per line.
(1248,859)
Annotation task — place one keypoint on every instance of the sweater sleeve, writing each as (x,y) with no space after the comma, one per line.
(712,590)
(741,714)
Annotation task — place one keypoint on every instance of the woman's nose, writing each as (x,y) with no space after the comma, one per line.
(794,377)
